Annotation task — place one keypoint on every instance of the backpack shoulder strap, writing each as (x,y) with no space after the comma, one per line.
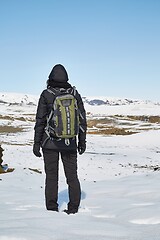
(56,92)
(53,91)
(72,91)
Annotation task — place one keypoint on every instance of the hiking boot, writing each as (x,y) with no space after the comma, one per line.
(53,209)
(70,211)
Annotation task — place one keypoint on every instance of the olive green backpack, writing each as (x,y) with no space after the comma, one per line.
(63,120)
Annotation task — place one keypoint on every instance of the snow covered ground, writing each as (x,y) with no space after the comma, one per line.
(119,201)
(119,177)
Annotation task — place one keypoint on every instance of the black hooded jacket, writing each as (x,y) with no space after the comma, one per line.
(58,78)
(58,74)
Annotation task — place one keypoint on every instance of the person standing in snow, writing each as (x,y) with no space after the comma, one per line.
(52,148)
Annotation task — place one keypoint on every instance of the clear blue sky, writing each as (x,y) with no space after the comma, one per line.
(109,47)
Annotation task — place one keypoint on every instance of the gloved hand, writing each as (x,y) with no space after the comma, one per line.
(36,150)
(81,147)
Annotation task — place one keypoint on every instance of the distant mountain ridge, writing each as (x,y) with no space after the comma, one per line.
(28,99)
(22,104)
(18,99)
(97,101)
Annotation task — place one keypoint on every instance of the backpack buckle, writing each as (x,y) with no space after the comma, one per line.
(67,142)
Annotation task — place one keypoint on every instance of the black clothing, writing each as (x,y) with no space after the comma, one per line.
(51,160)
(43,110)
(58,84)
(54,147)
(36,150)
(81,147)
(70,211)
(58,74)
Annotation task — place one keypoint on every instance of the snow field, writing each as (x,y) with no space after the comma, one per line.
(118,201)
(120,190)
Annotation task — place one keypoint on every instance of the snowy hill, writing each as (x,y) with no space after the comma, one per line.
(28,99)
(94,105)
(18,99)
(97,101)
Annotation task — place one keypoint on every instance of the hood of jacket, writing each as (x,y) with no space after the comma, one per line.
(58,74)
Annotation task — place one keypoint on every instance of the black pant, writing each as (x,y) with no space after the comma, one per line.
(51,164)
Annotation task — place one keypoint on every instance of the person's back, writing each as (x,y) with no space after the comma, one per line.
(54,146)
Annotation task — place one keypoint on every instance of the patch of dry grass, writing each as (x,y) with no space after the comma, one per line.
(150,119)
(30,118)
(35,170)
(102,121)
(109,125)
(10,129)
(112,131)
(122,125)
